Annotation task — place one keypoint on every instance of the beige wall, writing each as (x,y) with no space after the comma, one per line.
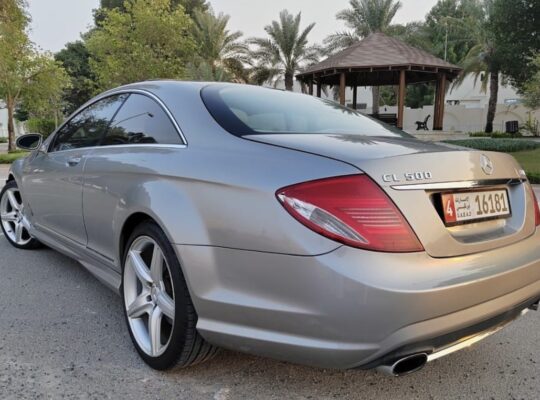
(463,119)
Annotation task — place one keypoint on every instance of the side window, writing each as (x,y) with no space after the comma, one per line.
(87,128)
(141,120)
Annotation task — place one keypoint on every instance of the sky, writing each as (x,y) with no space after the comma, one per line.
(56,22)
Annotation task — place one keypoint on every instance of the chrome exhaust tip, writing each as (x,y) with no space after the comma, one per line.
(406,365)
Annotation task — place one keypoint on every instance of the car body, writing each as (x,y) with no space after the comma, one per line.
(261,280)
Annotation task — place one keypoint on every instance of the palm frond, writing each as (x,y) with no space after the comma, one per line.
(286,49)
(339,41)
(216,44)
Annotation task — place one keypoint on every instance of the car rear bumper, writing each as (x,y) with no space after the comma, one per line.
(352,308)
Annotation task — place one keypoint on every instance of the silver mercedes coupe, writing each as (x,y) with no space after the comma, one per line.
(279,224)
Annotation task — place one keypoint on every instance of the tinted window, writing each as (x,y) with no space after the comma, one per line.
(88,127)
(249,110)
(141,120)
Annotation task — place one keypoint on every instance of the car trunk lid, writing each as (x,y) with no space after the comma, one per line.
(416,174)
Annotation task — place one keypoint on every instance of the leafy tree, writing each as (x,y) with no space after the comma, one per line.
(363,18)
(148,41)
(190,6)
(75,59)
(220,53)
(285,50)
(419,95)
(516,28)
(45,126)
(450,26)
(25,75)
(484,62)
(413,33)
(531,89)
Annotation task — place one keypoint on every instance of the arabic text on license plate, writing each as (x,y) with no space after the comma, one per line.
(459,207)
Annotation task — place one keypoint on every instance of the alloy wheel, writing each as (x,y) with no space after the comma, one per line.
(12,217)
(149,296)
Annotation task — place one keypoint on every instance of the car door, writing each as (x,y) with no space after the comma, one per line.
(52,181)
(139,140)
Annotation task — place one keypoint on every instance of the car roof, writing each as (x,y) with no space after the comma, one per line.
(167,84)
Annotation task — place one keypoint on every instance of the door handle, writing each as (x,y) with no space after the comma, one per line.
(73,161)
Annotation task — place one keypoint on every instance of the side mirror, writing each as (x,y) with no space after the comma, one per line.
(30,141)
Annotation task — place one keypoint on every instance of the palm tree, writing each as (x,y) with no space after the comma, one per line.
(363,18)
(482,61)
(220,54)
(284,52)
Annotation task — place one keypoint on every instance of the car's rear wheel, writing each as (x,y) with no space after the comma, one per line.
(13,220)
(158,308)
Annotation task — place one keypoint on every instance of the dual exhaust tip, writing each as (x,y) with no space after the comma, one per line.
(406,365)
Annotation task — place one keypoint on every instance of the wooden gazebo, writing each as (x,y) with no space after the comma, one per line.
(380,60)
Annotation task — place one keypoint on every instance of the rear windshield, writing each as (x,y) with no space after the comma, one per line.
(251,110)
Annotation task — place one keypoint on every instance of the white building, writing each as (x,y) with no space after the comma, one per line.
(19,128)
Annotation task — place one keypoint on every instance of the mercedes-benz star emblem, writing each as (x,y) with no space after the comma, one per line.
(486,164)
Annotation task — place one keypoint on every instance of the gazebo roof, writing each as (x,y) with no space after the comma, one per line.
(379,52)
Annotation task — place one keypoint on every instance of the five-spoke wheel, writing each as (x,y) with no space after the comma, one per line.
(158,308)
(13,219)
(149,296)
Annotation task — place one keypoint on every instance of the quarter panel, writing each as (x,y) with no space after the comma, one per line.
(203,196)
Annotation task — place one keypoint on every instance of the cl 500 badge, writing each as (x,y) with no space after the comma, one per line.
(408,177)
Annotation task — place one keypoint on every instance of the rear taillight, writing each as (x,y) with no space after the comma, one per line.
(352,210)
(536,208)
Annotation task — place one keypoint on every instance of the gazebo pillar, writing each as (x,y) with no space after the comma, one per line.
(342,83)
(440,94)
(310,87)
(354,98)
(319,88)
(401,98)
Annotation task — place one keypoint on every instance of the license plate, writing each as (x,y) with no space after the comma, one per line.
(473,206)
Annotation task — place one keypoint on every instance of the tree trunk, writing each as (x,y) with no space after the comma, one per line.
(493,95)
(11,127)
(376,93)
(289,81)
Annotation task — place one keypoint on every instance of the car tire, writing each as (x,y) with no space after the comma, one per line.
(148,289)
(12,216)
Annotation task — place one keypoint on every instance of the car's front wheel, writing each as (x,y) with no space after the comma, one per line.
(158,308)
(12,218)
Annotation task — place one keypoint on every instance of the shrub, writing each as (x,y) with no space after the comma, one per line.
(3,139)
(534,177)
(45,126)
(12,156)
(496,135)
(502,145)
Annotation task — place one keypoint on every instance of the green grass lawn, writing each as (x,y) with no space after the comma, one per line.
(526,152)
(10,157)
(530,161)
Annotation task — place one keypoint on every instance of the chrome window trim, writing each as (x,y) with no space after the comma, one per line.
(459,185)
(114,93)
(139,145)
(129,146)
